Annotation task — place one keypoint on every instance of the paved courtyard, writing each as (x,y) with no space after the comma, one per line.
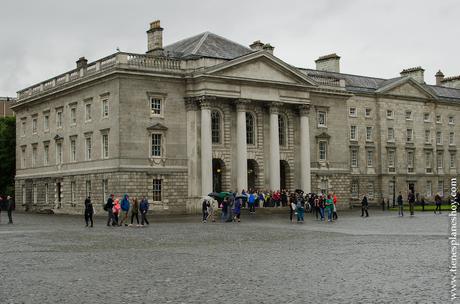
(264,259)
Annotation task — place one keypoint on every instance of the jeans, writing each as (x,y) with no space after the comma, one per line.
(89,217)
(144,218)
(364,209)
(411,208)
(110,218)
(10,217)
(329,214)
(134,215)
(438,208)
(252,207)
(401,210)
(321,212)
(224,216)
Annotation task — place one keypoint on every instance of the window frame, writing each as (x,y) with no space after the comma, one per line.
(216,114)
(352,112)
(88,147)
(324,114)
(251,132)
(161,145)
(157,190)
(324,142)
(355,137)
(282,130)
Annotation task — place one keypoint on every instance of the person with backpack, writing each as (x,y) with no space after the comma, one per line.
(237,210)
(109,208)
(89,211)
(124,206)
(144,208)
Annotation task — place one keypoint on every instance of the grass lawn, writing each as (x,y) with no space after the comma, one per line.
(444,207)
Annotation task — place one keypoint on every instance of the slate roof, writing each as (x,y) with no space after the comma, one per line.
(206,44)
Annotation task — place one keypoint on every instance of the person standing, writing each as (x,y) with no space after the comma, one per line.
(210,210)
(124,209)
(411,200)
(364,206)
(109,208)
(224,210)
(334,212)
(89,211)
(11,207)
(438,201)
(144,208)
(321,206)
(400,205)
(237,210)
(135,211)
(204,210)
(252,203)
(292,210)
(330,207)
(116,211)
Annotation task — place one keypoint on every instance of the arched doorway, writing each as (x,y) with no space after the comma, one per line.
(284,173)
(253,170)
(218,166)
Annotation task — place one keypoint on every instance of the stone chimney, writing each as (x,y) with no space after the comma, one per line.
(257,45)
(82,63)
(416,73)
(451,82)
(439,77)
(155,39)
(267,47)
(330,63)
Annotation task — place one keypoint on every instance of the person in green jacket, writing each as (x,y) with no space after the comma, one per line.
(330,207)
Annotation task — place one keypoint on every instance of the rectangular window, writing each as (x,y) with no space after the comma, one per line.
(46,154)
(105,108)
(157,190)
(72,191)
(451,138)
(88,188)
(428,164)
(370,190)
(156,145)
(34,126)
(354,189)
(367,112)
(391,134)
(354,158)
(439,160)
(452,161)
(59,119)
(370,158)
(88,112)
(408,115)
(439,138)
(352,112)
(390,114)
(426,117)
(409,135)
(105,187)
(23,128)
(368,133)
(155,106)
(451,120)
(73,116)
(34,156)
(410,162)
(105,145)
(427,136)
(438,119)
(322,120)
(73,149)
(59,153)
(428,188)
(353,133)
(23,157)
(391,161)
(88,148)
(46,122)
(322,150)
(440,189)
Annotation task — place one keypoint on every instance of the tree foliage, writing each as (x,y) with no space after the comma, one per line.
(7,155)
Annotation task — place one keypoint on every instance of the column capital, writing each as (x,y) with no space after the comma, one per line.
(304,110)
(274,107)
(190,104)
(241,104)
(204,101)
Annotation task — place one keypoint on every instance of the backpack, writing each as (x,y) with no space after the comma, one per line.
(105,207)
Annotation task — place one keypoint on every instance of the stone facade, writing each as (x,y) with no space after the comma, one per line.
(5,106)
(178,117)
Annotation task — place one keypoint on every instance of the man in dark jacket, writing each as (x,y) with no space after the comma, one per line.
(109,208)
(88,211)
(400,205)
(364,206)
(11,206)
(144,208)
(411,200)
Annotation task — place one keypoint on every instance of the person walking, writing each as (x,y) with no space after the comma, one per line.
(210,210)
(124,210)
(109,208)
(292,210)
(330,207)
(135,211)
(438,202)
(116,211)
(364,206)
(237,210)
(400,205)
(224,210)
(300,211)
(144,208)
(321,206)
(89,211)
(334,211)
(411,200)
(10,208)
(3,205)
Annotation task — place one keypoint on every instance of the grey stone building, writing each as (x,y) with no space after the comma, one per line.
(206,113)
(5,106)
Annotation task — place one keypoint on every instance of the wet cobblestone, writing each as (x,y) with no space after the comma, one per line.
(264,259)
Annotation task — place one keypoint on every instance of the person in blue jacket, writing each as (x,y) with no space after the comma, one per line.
(144,208)
(124,209)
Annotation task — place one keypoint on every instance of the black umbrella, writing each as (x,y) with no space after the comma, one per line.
(243,197)
(298,191)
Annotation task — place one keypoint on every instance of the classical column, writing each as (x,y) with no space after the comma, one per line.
(274,148)
(206,147)
(305,177)
(241,146)
(191,108)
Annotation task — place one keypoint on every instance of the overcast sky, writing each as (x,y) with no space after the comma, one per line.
(41,39)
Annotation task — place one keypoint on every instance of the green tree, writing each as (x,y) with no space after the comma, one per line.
(7,155)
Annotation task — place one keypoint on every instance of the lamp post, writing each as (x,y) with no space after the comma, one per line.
(394,190)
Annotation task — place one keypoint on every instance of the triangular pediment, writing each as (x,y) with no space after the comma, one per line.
(406,87)
(261,66)
(157,127)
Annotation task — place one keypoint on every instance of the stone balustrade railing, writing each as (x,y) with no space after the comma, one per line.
(129,60)
(329,81)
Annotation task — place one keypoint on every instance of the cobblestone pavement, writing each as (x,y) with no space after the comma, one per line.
(263,259)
